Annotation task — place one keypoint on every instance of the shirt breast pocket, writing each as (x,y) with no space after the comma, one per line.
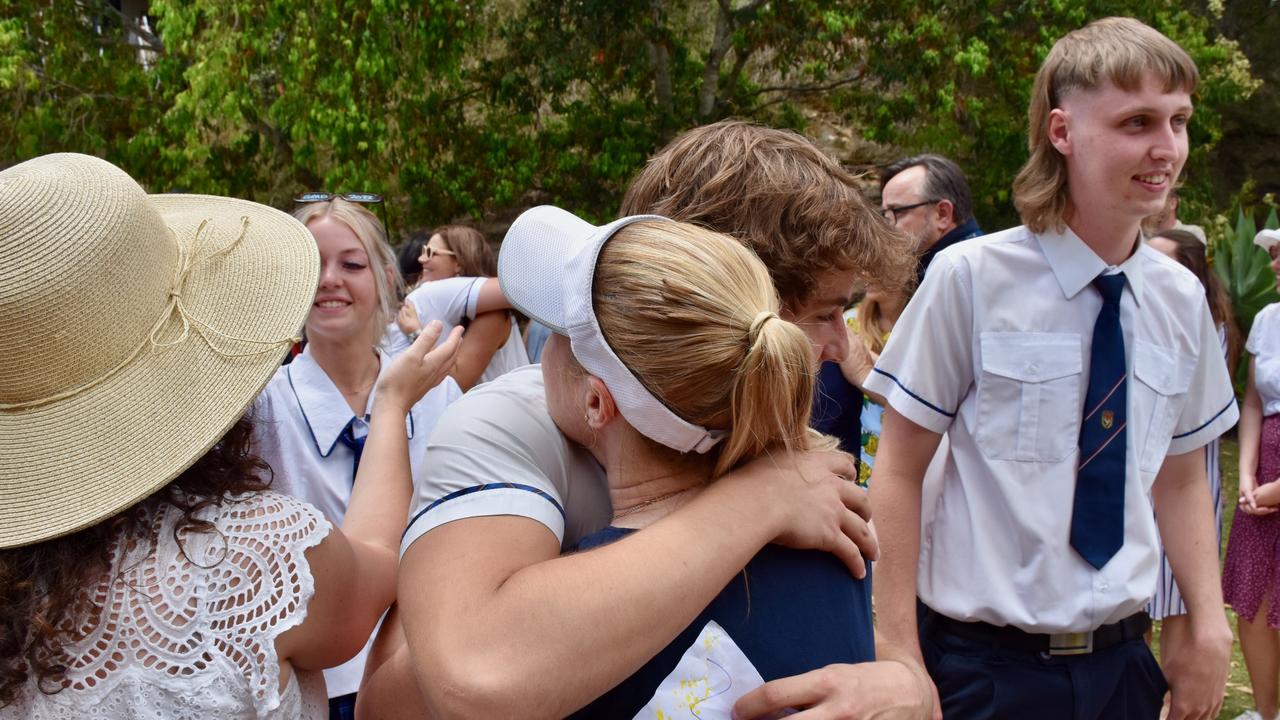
(1164,377)
(1029,396)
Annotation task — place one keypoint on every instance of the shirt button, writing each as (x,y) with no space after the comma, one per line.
(1033,368)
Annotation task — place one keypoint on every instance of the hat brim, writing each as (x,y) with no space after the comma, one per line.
(68,464)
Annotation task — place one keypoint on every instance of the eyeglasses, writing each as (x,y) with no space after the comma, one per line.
(363,198)
(891,213)
(430,252)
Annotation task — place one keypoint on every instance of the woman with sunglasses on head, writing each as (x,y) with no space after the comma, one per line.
(671,365)
(313,417)
(145,569)
(455,262)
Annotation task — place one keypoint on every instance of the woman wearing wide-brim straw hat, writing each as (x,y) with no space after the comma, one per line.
(144,568)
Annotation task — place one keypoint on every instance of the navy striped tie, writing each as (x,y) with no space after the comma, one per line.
(348,438)
(1097,519)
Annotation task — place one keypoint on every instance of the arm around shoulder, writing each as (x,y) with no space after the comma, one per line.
(560,631)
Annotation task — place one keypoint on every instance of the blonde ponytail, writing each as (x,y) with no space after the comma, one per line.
(694,316)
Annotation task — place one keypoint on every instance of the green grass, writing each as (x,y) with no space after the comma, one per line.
(1239,697)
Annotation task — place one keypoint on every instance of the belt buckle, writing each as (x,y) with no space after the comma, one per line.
(1077,643)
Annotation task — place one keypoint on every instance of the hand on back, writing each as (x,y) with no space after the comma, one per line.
(819,505)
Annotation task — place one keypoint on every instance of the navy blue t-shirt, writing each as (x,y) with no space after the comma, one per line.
(790,611)
(837,408)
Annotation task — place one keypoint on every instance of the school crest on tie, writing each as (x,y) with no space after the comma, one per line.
(1108,419)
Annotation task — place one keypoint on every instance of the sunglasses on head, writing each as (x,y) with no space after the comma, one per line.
(366,198)
(363,198)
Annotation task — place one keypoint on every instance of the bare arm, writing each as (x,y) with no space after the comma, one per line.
(389,690)
(354,568)
(894,687)
(1196,667)
(485,335)
(558,632)
(905,452)
(491,297)
(1250,435)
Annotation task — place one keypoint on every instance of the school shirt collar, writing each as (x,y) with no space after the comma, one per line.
(325,411)
(1075,265)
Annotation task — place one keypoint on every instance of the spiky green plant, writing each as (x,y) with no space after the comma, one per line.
(1245,269)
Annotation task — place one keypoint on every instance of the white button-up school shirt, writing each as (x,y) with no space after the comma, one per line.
(994,350)
(297,421)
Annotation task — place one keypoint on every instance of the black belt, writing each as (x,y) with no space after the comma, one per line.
(1130,628)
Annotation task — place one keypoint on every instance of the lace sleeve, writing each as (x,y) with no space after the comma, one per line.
(263,584)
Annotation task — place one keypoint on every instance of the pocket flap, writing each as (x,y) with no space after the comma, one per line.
(1166,371)
(1030,356)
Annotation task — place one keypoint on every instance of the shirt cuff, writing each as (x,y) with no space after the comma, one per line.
(1208,430)
(486,501)
(908,403)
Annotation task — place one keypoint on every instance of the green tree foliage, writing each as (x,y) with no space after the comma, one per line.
(956,78)
(452,108)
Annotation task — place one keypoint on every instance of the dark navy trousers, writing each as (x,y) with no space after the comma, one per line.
(979,681)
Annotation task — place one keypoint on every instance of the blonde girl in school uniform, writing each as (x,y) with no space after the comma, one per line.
(313,417)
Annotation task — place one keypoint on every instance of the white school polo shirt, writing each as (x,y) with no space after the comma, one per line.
(297,421)
(993,349)
(497,452)
(1264,346)
(449,301)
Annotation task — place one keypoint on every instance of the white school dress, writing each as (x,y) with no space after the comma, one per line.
(450,301)
(304,429)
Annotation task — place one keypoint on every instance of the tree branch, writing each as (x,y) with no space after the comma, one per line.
(789,91)
(720,46)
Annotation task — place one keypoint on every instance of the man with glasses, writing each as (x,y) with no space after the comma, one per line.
(927,197)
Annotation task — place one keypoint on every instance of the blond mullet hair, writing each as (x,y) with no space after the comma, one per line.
(1117,49)
(693,315)
(382,259)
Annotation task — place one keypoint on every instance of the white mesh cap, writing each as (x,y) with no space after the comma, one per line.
(546,267)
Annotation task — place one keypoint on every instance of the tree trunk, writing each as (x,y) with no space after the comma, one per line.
(660,55)
(720,45)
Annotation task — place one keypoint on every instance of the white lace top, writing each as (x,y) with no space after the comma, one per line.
(188,631)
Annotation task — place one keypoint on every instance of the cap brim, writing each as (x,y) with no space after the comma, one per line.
(72,463)
(532,261)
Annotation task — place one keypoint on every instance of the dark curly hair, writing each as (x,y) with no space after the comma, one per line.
(42,586)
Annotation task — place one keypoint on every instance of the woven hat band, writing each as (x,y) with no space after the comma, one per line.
(71,312)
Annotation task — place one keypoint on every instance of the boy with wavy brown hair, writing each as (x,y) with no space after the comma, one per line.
(499,624)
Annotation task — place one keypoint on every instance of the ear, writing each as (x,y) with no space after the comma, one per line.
(601,409)
(391,277)
(946,213)
(1060,130)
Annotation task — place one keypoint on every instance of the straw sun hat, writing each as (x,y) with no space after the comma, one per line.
(135,330)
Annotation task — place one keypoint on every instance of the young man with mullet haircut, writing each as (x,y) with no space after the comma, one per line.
(496,623)
(1078,376)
